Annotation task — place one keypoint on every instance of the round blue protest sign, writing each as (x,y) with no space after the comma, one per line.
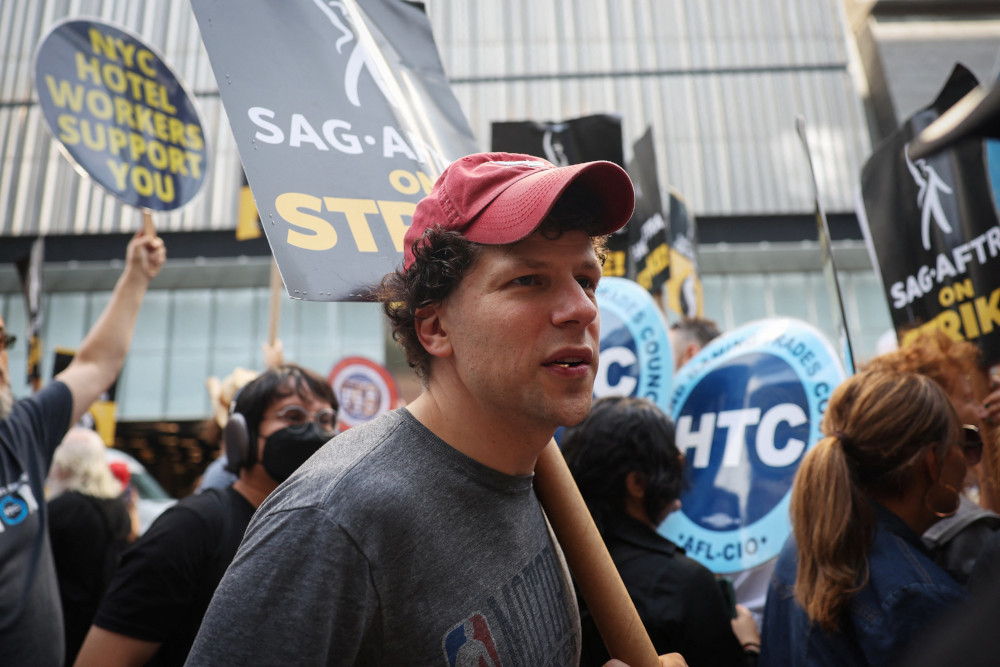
(120,115)
(747,408)
(636,359)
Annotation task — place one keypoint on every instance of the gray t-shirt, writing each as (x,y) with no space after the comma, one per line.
(391,547)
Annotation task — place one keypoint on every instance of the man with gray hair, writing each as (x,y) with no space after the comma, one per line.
(688,336)
(89,527)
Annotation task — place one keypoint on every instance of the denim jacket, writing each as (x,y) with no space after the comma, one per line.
(904,592)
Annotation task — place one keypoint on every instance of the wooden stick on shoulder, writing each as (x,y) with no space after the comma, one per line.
(594,571)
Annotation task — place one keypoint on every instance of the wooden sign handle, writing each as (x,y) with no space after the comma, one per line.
(589,561)
(275,310)
(148,227)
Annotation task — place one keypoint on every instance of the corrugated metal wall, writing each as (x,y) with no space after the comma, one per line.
(720,82)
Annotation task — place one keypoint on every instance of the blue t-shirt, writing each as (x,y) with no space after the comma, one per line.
(30,615)
(904,593)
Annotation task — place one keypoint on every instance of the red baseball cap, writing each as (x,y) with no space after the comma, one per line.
(121,472)
(500,198)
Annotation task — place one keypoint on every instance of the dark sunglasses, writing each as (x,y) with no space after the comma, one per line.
(7,341)
(972,444)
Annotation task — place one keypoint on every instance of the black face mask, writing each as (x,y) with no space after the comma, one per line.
(287,449)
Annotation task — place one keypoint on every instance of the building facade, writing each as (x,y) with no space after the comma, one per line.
(720,83)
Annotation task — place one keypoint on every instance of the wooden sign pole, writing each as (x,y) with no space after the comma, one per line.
(589,561)
(275,310)
(147,222)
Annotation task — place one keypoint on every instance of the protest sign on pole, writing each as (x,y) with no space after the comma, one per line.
(247,219)
(648,247)
(120,114)
(343,118)
(29,268)
(636,356)
(976,115)
(101,415)
(566,142)
(597,137)
(684,291)
(826,256)
(932,229)
(747,407)
(365,389)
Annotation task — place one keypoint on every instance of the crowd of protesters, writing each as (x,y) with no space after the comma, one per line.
(419,539)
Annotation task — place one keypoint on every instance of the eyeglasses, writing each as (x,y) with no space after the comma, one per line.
(298,416)
(7,341)
(972,445)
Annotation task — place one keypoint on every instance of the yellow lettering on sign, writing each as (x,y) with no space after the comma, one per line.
(988,311)
(971,320)
(119,170)
(406,183)
(68,134)
(356,211)
(322,235)
(392,213)
(88,68)
(656,263)
(63,94)
(145,59)
(614,264)
(960,291)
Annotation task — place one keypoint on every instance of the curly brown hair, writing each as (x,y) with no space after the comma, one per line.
(443,257)
(933,354)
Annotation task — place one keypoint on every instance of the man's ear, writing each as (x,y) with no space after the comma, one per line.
(431,332)
(635,485)
(689,352)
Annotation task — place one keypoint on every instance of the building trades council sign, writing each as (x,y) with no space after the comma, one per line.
(120,114)
(636,358)
(747,408)
(343,118)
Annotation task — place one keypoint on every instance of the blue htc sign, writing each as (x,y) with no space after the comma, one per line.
(746,410)
(636,359)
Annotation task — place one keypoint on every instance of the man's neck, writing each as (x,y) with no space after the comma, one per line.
(498,441)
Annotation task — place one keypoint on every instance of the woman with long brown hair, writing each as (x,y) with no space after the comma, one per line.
(854,585)
(955,543)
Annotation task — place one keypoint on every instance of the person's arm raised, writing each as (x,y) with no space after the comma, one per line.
(102,352)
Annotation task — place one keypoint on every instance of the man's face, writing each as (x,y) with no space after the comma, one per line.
(524,330)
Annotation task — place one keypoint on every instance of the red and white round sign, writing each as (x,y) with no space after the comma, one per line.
(364,388)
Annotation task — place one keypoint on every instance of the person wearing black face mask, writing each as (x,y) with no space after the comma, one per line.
(154,606)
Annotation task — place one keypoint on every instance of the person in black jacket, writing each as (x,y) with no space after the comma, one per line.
(89,527)
(154,604)
(630,473)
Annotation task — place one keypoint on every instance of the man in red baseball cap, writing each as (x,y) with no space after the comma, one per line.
(419,539)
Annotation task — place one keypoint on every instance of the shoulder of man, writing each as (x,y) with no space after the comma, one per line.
(39,420)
